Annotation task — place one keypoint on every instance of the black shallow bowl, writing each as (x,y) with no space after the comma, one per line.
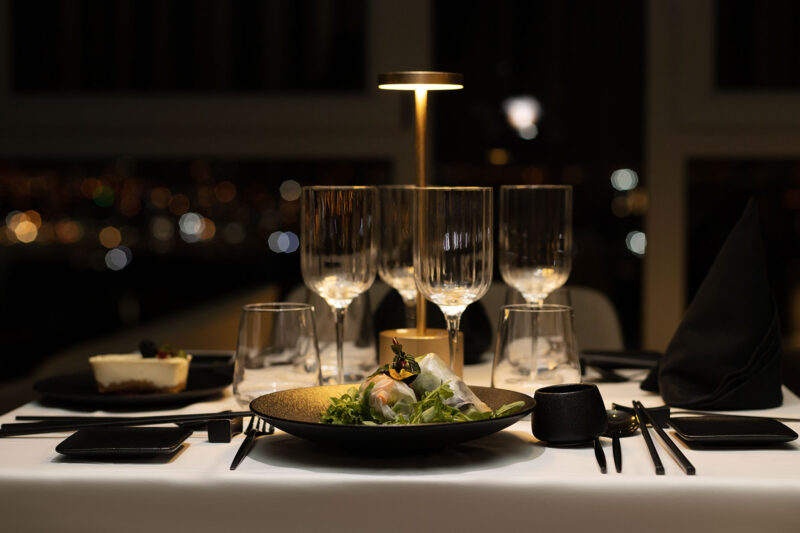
(298,411)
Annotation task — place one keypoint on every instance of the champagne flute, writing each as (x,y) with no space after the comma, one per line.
(535,238)
(453,250)
(396,256)
(338,250)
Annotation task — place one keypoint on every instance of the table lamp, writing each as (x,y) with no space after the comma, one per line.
(422,340)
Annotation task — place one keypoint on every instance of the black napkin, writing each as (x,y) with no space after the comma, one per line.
(726,353)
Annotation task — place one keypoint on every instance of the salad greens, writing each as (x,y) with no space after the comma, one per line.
(353,408)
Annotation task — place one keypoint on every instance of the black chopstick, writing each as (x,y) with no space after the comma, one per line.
(649,441)
(32,428)
(65,418)
(665,411)
(681,459)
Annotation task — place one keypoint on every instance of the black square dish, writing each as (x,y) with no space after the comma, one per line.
(731,430)
(123,442)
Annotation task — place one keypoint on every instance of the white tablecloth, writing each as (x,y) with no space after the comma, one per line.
(504,482)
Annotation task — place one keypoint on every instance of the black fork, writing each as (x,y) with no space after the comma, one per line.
(257,428)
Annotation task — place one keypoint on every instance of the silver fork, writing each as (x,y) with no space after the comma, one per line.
(257,428)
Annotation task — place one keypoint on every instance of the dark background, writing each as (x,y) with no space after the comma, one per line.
(584,61)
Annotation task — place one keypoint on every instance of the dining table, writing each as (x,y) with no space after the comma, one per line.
(507,481)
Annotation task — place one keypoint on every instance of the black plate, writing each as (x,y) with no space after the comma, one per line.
(721,429)
(81,389)
(123,442)
(298,412)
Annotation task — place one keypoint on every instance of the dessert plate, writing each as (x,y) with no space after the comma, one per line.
(298,411)
(81,389)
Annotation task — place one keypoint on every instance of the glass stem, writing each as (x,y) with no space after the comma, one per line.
(453,323)
(338,313)
(535,299)
(411,313)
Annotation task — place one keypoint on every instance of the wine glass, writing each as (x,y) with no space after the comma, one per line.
(453,250)
(535,346)
(276,350)
(396,256)
(338,250)
(535,238)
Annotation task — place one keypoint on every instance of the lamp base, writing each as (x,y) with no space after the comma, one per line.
(434,340)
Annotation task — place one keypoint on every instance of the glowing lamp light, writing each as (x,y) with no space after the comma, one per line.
(283,242)
(636,241)
(420,81)
(290,190)
(110,237)
(624,179)
(118,258)
(522,113)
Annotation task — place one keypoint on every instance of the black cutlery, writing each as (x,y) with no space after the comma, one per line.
(51,426)
(649,441)
(662,414)
(600,455)
(257,428)
(620,424)
(681,459)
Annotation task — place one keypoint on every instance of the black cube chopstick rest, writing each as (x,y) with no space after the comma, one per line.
(224,430)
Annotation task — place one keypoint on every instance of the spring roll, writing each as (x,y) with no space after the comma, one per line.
(388,396)
(434,372)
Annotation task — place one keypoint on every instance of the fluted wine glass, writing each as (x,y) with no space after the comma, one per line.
(338,250)
(396,250)
(535,238)
(453,250)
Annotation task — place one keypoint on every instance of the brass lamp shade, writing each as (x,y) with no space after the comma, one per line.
(413,80)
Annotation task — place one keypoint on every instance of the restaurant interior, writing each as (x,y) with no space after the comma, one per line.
(159,161)
(152,153)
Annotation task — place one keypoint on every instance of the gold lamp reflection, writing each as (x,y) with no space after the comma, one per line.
(419,81)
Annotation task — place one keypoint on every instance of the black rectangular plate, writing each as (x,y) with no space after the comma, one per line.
(123,442)
(721,429)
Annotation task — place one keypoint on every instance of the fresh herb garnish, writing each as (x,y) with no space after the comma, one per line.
(350,408)
(403,366)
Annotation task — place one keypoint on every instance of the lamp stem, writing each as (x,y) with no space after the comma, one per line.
(421,99)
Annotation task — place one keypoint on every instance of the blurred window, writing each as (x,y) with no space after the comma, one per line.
(757,45)
(203,46)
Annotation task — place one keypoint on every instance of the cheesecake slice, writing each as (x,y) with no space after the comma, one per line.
(132,373)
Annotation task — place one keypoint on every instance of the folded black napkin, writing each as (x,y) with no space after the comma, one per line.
(726,353)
